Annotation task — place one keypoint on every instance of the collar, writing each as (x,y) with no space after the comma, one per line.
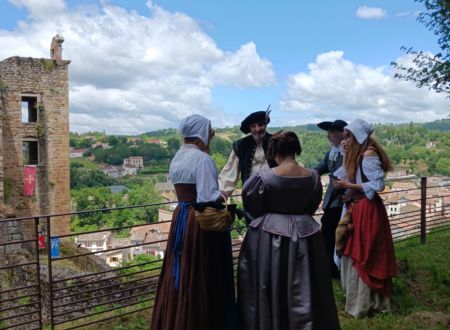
(189,146)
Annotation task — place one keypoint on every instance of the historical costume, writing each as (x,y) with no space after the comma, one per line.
(283,281)
(332,203)
(368,262)
(248,154)
(196,287)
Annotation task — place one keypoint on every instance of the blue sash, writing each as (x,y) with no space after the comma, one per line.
(178,241)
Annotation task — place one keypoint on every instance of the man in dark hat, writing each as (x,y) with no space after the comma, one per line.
(248,154)
(332,203)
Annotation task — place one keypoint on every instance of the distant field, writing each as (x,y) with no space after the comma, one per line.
(85,162)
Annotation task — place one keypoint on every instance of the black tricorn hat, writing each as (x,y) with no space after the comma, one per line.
(337,125)
(258,117)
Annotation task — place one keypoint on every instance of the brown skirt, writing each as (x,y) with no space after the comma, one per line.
(205,296)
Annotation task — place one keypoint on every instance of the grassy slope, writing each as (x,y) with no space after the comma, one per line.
(422,286)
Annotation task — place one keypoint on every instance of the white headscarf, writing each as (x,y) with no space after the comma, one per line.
(361,129)
(195,126)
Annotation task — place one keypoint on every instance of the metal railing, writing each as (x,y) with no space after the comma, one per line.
(63,299)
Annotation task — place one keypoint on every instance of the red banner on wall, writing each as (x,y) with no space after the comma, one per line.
(41,241)
(29,179)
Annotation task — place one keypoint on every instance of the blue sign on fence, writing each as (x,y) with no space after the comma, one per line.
(54,247)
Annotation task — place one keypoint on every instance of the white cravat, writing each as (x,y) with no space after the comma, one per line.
(334,153)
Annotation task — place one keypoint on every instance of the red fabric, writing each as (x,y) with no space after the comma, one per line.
(29,179)
(41,242)
(371,246)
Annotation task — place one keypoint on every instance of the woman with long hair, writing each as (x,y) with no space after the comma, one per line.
(284,282)
(368,261)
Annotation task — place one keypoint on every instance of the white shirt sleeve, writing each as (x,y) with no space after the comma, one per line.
(374,173)
(341,173)
(229,176)
(206,180)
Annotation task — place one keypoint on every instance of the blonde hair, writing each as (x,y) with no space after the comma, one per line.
(355,150)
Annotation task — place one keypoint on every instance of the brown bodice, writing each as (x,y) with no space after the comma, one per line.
(186,192)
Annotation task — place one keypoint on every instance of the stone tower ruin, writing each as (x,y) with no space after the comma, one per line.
(34,131)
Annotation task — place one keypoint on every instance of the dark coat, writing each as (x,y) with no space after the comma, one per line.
(332,196)
(245,151)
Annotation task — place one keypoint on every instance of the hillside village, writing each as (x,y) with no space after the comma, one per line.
(402,194)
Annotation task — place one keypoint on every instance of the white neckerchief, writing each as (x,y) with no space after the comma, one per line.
(334,153)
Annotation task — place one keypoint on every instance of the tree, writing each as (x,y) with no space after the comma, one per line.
(112,140)
(443,166)
(173,144)
(431,70)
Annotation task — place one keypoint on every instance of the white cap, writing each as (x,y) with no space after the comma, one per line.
(361,129)
(195,126)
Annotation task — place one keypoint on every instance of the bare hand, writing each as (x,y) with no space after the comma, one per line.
(340,184)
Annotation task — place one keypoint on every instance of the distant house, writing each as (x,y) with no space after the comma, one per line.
(116,258)
(403,185)
(400,171)
(134,140)
(116,189)
(77,153)
(157,141)
(112,171)
(144,236)
(137,162)
(101,145)
(94,242)
(128,170)
(164,221)
(166,190)
(430,145)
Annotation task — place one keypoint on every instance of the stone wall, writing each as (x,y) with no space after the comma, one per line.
(48,81)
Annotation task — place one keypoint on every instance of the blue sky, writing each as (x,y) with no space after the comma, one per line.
(142,65)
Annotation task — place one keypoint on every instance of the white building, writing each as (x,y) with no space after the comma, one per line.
(128,170)
(137,162)
(94,242)
(77,153)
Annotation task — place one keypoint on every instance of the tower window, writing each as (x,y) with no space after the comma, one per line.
(30,152)
(29,109)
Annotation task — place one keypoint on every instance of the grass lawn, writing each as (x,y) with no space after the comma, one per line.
(84,162)
(421,297)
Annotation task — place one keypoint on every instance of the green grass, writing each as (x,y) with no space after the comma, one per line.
(84,162)
(421,296)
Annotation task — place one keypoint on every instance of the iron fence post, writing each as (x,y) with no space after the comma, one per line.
(50,275)
(38,269)
(423,209)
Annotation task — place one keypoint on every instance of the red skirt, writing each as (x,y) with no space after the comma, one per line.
(371,246)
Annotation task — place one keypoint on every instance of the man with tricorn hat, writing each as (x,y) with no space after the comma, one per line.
(332,203)
(248,154)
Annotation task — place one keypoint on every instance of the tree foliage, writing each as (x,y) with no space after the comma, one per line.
(430,70)
(94,198)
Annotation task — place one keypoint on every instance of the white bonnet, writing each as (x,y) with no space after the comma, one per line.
(195,126)
(361,129)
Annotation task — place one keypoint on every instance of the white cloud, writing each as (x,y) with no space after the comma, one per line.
(407,13)
(335,87)
(131,73)
(40,8)
(244,68)
(365,12)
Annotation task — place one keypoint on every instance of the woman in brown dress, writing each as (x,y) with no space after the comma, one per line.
(196,287)
(284,281)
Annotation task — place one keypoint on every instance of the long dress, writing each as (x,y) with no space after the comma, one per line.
(368,263)
(284,280)
(196,286)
